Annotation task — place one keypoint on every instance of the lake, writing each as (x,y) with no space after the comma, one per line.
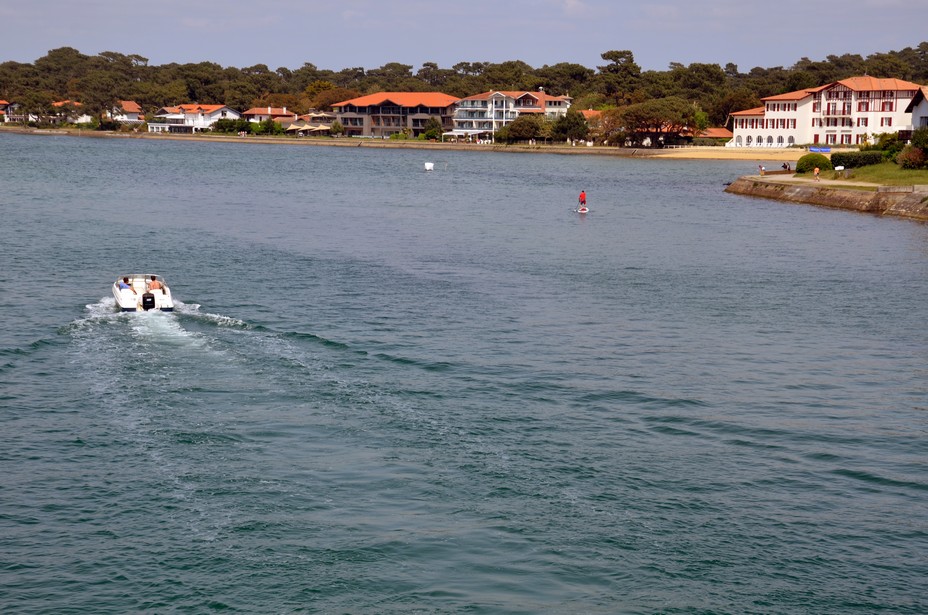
(387,390)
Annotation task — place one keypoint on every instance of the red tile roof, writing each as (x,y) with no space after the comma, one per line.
(402,99)
(541,96)
(716,133)
(870,84)
(797,95)
(130,106)
(272,111)
(749,112)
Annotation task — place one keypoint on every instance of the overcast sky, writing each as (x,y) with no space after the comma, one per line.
(337,34)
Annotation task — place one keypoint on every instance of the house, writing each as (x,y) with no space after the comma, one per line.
(69,112)
(847,112)
(190,118)
(128,112)
(4,111)
(918,108)
(277,114)
(385,113)
(490,111)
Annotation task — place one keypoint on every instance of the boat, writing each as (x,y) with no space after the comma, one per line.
(139,296)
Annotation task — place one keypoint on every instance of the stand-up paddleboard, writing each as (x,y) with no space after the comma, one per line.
(583,210)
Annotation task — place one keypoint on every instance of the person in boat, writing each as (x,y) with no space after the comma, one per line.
(124,283)
(155,284)
(582,199)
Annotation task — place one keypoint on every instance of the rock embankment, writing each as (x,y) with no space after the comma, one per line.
(907,202)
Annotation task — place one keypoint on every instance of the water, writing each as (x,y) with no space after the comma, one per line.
(392,391)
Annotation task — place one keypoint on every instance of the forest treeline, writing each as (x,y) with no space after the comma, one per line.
(97,81)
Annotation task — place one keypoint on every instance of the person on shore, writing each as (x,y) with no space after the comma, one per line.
(815,173)
(582,199)
(155,284)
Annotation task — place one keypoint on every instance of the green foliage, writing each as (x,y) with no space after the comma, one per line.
(570,126)
(807,163)
(853,160)
(233,126)
(657,122)
(920,139)
(432,129)
(888,143)
(523,128)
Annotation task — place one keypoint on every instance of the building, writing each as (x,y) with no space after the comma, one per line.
(385,113)
(277,114)
(190,118)
(69,112)
(490,111)
(128,112)
(918,108)
(847,112)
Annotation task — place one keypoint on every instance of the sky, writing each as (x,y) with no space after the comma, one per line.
(337,34)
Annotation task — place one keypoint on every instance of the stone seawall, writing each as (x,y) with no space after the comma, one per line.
(908,204)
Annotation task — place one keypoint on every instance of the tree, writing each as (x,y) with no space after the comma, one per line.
(326,98)
(619,78)
(570,126)
(523,128)
(658,121)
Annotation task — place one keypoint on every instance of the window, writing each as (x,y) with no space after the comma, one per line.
(886,121)
(863,106)
(862,122)
(887,105)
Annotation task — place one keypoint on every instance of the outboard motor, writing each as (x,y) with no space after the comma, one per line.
(148,301)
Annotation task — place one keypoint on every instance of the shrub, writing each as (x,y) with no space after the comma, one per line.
(854,160)
(920,139)
(911,158)
(808,162)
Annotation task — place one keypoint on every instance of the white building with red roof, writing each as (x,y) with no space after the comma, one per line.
(847,112)
(490,111)
(128,112)
(385,113)
(190,117)
(277,114)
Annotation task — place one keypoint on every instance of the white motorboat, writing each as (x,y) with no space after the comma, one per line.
(138,292)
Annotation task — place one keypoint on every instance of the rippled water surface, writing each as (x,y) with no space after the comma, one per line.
(392,391)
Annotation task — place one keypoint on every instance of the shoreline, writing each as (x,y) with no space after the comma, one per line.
(682,153)
(909,202)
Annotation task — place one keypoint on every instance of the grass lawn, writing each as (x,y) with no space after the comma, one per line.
(887,174)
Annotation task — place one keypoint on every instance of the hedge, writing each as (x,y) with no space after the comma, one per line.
(854,160)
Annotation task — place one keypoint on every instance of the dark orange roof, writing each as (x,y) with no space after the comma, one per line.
(797,95)
(272,111)
(590,113)
(541,96)
(130,106)
(716,133)
(402,99)
(754,111)
(871,84)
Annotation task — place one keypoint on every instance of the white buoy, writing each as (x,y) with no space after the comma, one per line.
(429,166)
